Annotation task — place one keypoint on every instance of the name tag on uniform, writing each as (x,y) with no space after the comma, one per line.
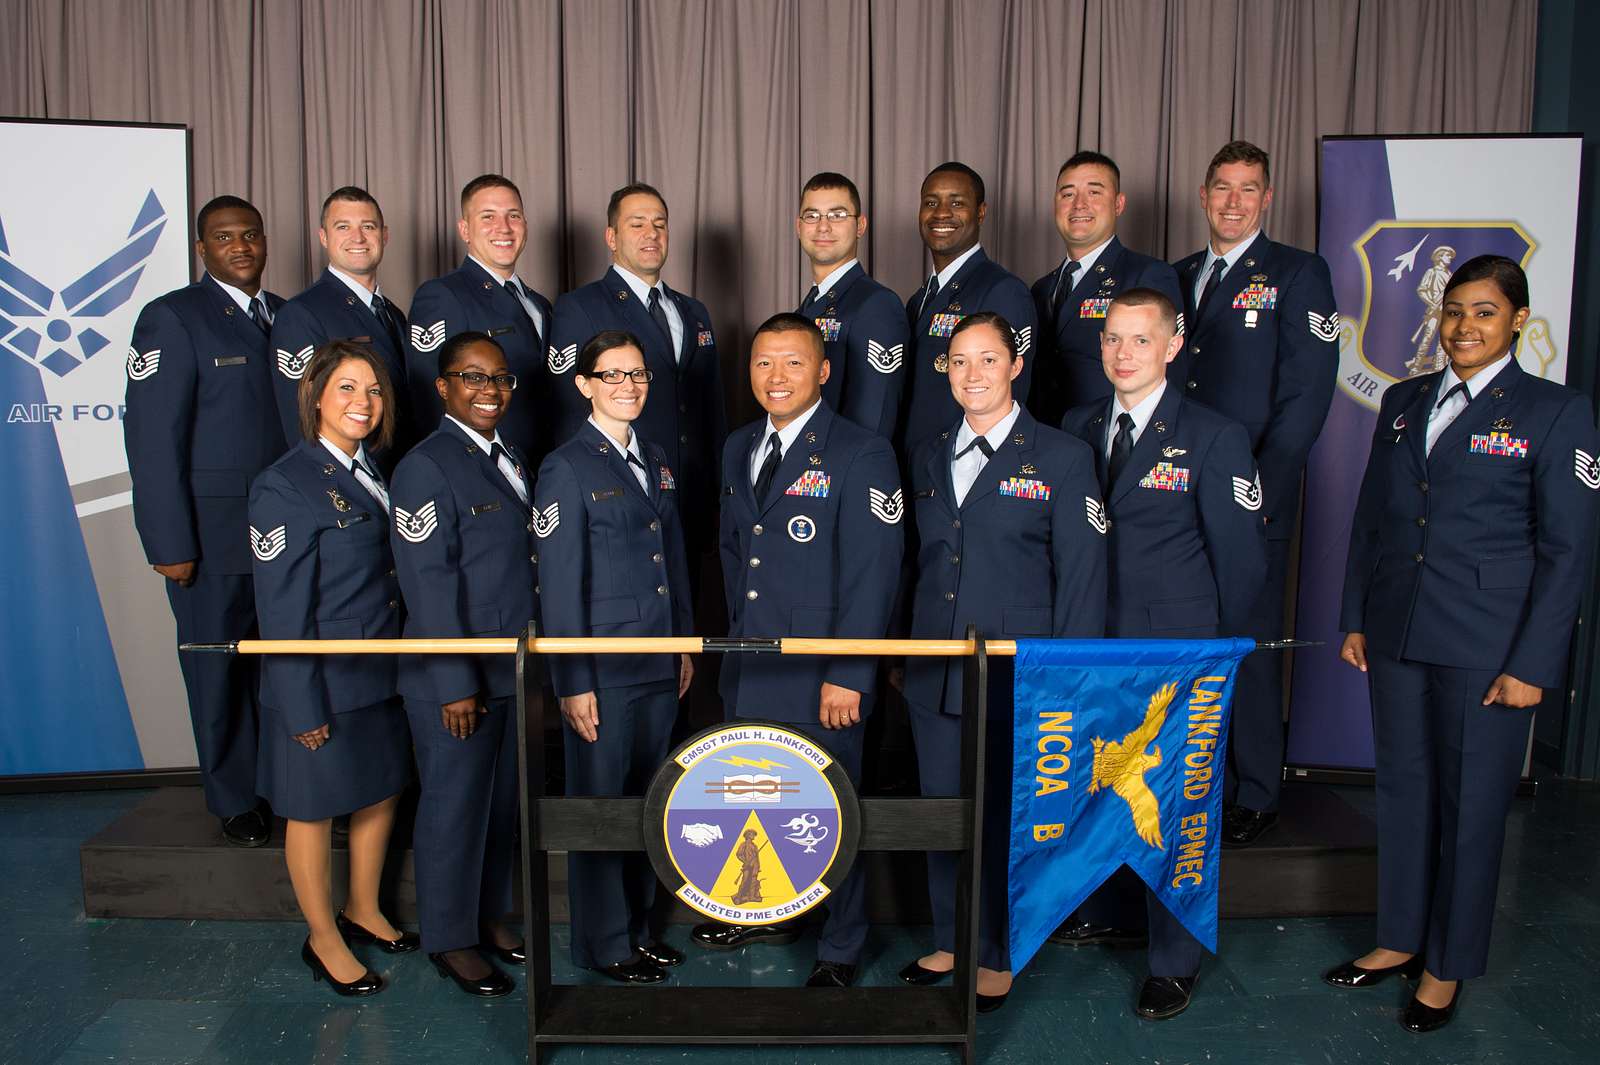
(926,493)
(354,519)
(1094,307)
(830,328)
(232,360)
(1024,488)
(1166,477)
(502,330)
(485,508)
(1499,444)
(358,340)
(1256,297)
(944,325)
(605,493)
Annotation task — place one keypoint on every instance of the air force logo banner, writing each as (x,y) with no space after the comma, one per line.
(1118,755)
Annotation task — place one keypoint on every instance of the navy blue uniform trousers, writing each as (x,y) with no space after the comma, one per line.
(220,608)
(610,892)
(465,836)
(1255,732)
(1447,768)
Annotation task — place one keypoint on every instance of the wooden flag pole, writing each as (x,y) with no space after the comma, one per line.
(637,645)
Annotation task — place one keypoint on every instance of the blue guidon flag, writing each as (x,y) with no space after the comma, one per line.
(1118,755)
(751,822)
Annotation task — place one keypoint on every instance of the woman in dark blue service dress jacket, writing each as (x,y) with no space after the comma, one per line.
(463,538)
(612,563)
(1468,554)
(1012,538)
(333,737)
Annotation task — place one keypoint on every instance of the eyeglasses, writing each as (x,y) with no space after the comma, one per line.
(480,381)
(811,216)
(641,376)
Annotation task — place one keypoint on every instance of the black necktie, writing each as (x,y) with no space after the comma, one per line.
(1213,279)
(769,468)
(1121,447)
(635,460)
(929,291)
(516,296)
(659,314)
(1460,386)
(391,323)
(805,303)
(258,315)
(982,444)
(1064,282)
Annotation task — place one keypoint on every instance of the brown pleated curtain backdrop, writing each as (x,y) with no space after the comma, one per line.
(728,105)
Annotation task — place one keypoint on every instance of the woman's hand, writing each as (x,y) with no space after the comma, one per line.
(1354,650)
(1509,691)
(313,739)
(461,717)
(582,712)
(685,675)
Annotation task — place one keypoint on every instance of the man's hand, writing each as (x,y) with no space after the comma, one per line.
(583,714)
(315,738)
(841,707)
(685,675)
(461,717)
(1509,691)
(1354,650)
(181,573)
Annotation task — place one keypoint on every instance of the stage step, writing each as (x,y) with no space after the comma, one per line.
(165,858)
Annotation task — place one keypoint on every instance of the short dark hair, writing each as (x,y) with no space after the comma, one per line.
(789,322)
(451,353)
(1008,337)
(486,181)
(602,342)
(635,188)
(829,179)
(324,362)
(965,171)
(349,194)
(1149,297)
(1506,274)
(222,203)
(1088,158)
(1240,152)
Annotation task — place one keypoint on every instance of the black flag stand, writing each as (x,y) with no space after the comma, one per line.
(584,1013)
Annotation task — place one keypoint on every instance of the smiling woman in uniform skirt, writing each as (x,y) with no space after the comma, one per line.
(1468,553)
(333,735)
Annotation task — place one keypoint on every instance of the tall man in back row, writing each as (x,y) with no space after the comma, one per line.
(1261,348)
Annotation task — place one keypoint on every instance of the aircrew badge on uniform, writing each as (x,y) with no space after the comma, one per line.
(944,325)
(1166,477)
(1028,469)
(751,823)
(416,526)
(1502,424)
(810,483)
(340,503)
(143,364)
(1256,297)
(830,327)
(1173,452)
(1025,488)
(293,366)
(667,483)
(1498,444)
(1094,307)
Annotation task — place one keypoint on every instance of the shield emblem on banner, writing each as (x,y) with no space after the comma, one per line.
(1405,266)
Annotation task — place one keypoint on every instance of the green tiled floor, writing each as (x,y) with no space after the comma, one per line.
(74,990)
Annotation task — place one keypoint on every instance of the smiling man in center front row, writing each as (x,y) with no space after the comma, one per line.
(811,544)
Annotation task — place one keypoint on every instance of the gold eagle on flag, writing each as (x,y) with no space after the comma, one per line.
(1121,767)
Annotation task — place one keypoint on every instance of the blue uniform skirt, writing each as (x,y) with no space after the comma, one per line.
(367,759)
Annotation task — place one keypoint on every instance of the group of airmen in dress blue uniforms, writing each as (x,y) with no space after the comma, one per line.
(495,459)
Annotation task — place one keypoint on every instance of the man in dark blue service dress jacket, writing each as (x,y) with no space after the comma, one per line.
(1187,556)
(345,303)
(200,424)
(863,324)
(1261,348)
(464,546)
(950,216)
(1071,300)
(485,294)
(812,538)
(685,414)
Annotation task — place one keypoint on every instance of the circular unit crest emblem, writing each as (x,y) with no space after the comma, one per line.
(751,822)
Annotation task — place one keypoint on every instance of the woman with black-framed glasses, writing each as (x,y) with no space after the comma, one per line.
(613,563)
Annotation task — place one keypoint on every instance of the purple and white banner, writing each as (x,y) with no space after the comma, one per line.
(1397,216)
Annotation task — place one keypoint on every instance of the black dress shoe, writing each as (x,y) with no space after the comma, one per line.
(354,933)
(517,955)
(715,936)
(1420,1017)
(249,829)
(1242,826)
(1164,996)
(368,983)
(831,974)
(659,953)
(495,984)
(915,974)
(990,1003)
(1352,975)
(638,971)
(1074,933)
